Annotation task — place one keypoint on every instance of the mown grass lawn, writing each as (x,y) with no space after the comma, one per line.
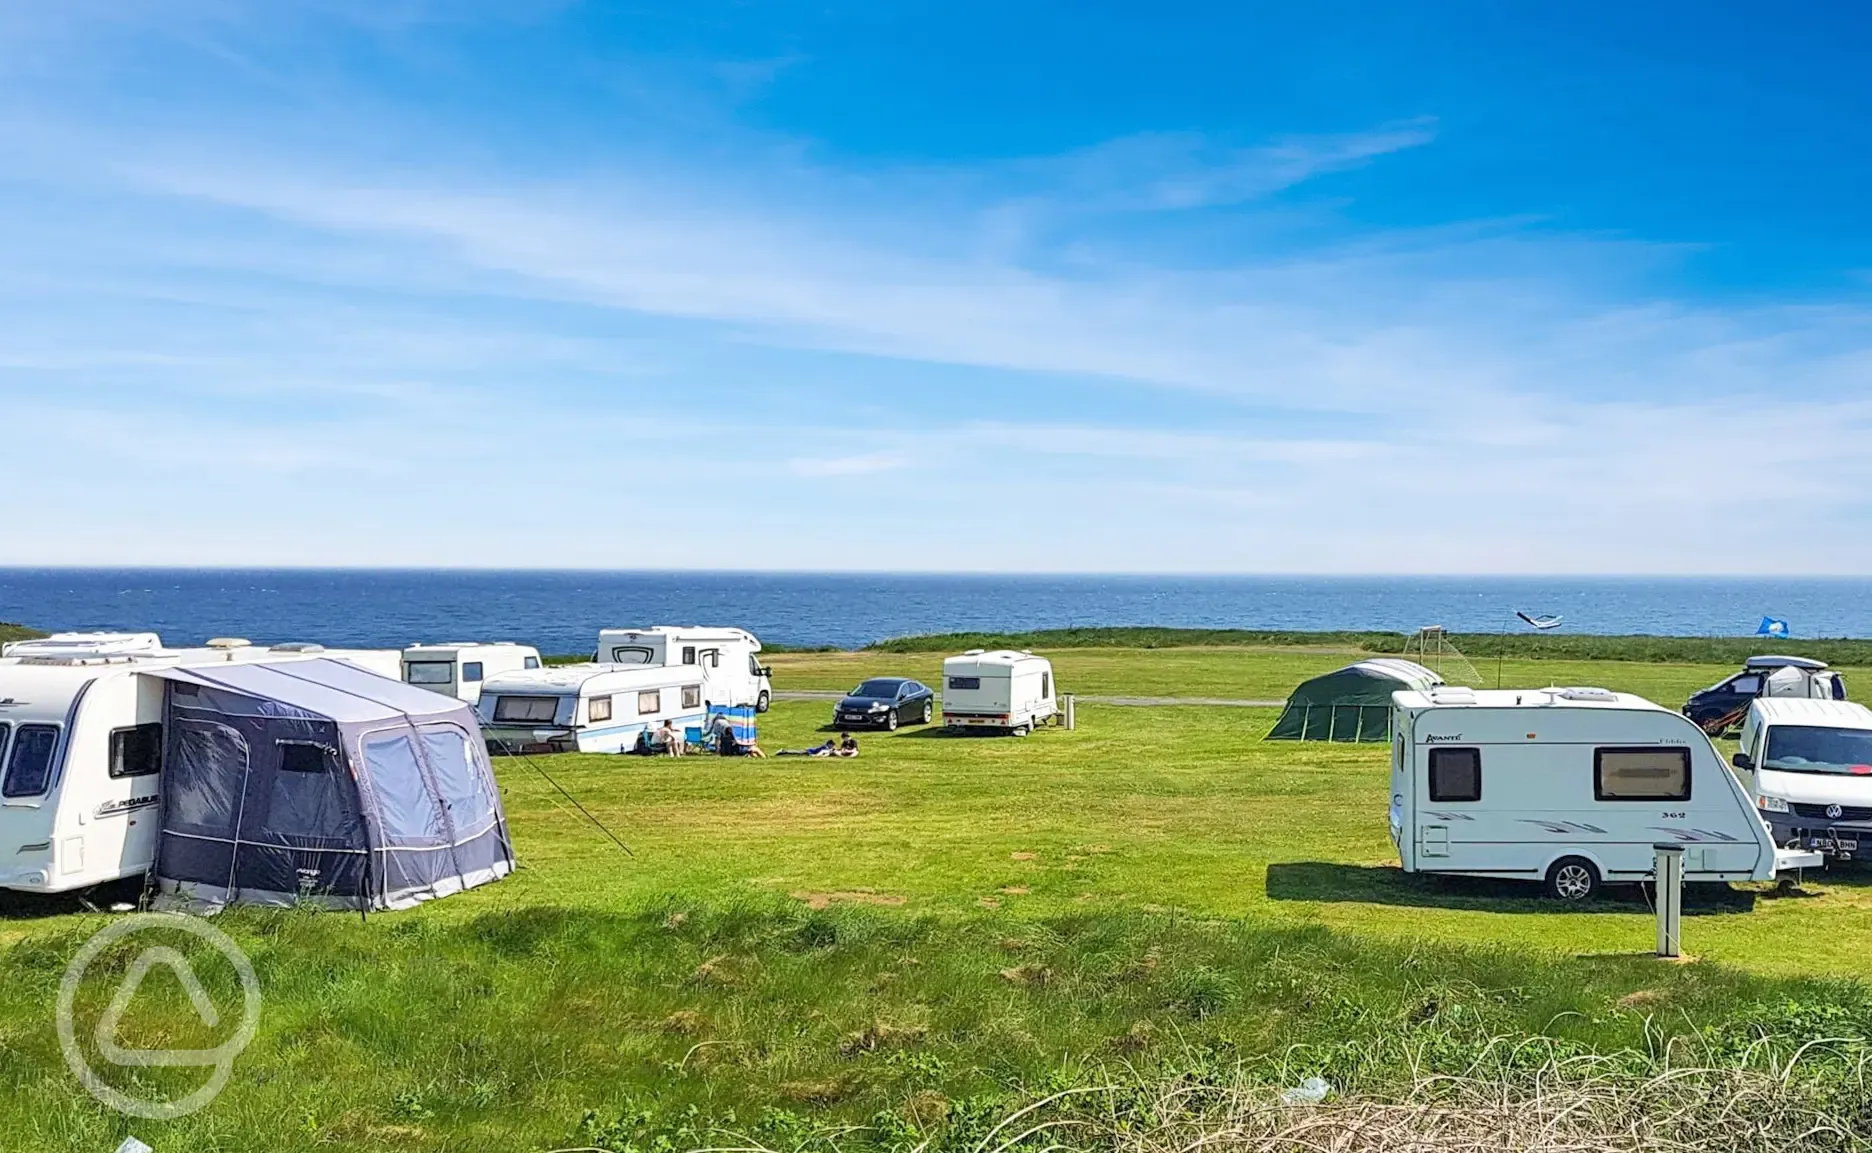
(913,939)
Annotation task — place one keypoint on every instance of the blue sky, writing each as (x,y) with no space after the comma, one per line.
(1095,287)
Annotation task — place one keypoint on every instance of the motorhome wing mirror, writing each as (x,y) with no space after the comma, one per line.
(1741,761)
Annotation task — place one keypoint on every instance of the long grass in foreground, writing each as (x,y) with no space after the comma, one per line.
(686,1023)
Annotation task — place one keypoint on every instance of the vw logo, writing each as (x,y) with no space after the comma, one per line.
(1834,812)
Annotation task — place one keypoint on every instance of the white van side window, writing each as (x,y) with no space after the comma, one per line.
(471,671)
(1641,774)
(688,654)
(531,663)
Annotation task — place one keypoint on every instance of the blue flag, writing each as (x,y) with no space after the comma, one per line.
(1772,627)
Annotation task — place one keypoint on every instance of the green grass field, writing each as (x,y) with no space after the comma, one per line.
(903,946)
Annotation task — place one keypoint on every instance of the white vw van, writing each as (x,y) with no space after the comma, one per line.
(1808,766)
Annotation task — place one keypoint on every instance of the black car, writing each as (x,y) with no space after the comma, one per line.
(885,703)
(1721,707)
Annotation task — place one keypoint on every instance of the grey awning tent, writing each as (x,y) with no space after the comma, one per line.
(317,781)
(1350,704)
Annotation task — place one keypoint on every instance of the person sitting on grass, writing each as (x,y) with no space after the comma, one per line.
(729,745)
(847,747)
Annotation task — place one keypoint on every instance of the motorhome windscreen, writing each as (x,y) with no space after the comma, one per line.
(529,710)
(1815,749)
(429,672)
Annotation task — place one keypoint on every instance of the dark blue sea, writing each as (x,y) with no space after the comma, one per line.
(561,612)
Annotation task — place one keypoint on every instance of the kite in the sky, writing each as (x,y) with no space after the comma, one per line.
(1540,620)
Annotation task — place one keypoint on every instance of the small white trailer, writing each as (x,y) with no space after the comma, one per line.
(81,738)
(1572,787)
(731,670)
(458,668)
(588,708)
(1000,691)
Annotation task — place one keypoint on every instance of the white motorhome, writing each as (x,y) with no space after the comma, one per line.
(458,668)
(1001,691)
(732,673)
(589,708)
(1570,786)
(1808,766)
(81,749)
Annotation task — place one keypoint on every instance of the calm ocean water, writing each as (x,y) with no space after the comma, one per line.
(561,612)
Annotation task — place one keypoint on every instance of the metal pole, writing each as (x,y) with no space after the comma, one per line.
(1668,870)
(1067,698)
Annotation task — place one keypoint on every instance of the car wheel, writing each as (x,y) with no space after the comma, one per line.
(762,702)
(890,720)
(1572,879)
(929,712)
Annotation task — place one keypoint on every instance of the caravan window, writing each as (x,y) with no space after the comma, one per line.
(1455,775)
(1046,684)
(529,709)
(965,682)
(471,671)
(692,696)
(649,701)
(29,768)
(136,752)
(630,655)
(599,709)
(1642,774)
(429,672)
(531,663)
(688,654)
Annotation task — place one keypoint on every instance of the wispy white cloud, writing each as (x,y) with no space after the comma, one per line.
(394,355)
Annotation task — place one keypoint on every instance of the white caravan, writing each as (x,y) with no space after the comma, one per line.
(1000,691)
(1808,766)
(81,745)
(732,674)
(458,668)
(1573,787)
(592,708)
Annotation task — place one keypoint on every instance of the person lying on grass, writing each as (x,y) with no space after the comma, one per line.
(829,749)
(848,747)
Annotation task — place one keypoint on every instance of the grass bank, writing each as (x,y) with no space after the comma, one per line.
(1523,645)
(14,632)
(686,1022)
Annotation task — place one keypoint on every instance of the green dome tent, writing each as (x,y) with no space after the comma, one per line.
(1350,704)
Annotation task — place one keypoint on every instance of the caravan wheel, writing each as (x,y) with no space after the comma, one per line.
(1572,879)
